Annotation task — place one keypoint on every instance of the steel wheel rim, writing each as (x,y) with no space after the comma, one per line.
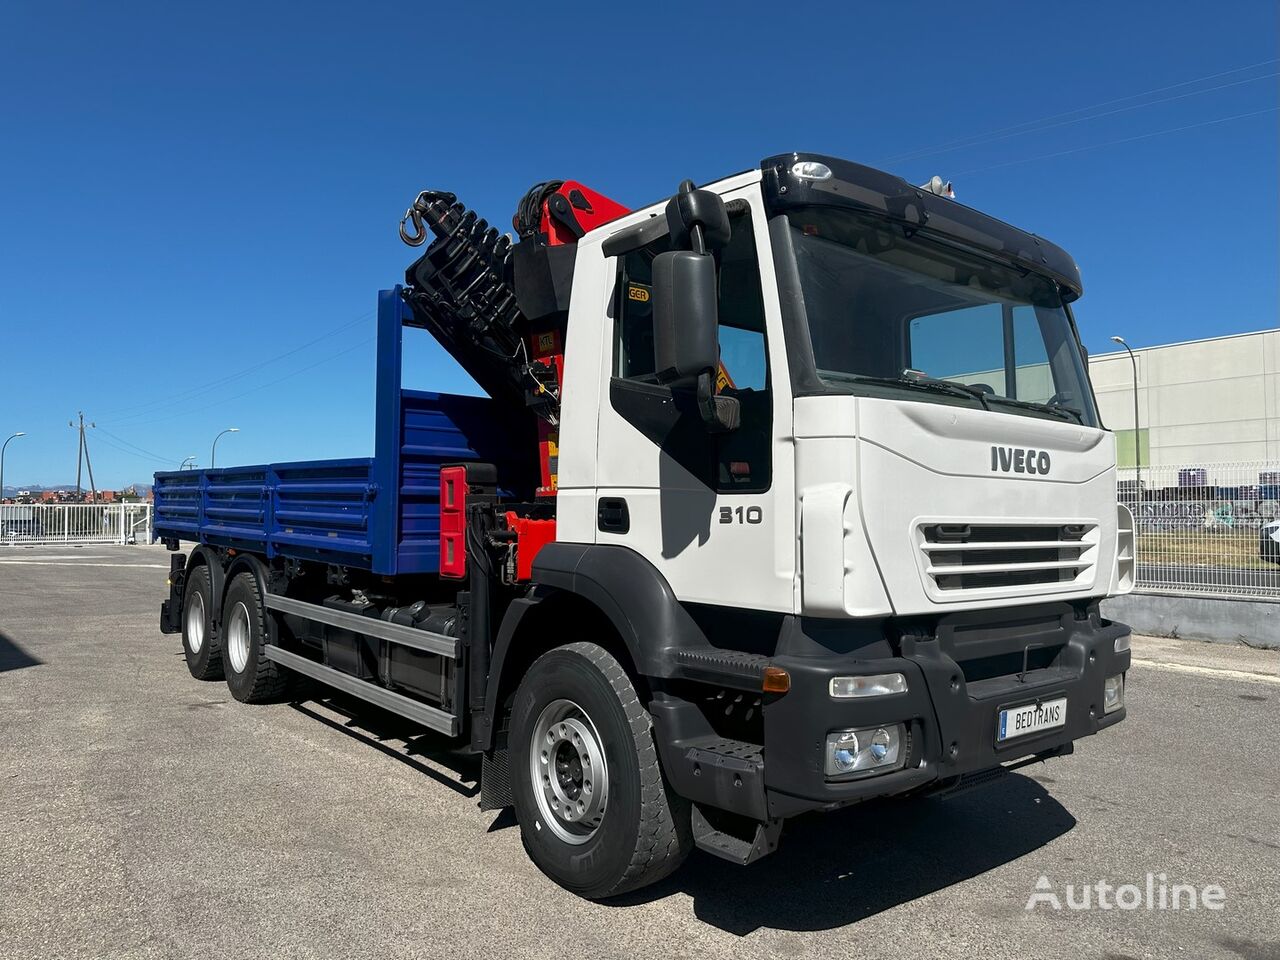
(568,772)
(195,622)
(238,638)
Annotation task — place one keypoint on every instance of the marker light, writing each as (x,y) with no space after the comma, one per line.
(1122,643)
(878,685)
(775,680)
(811,170)
(1113,693)
(865,752)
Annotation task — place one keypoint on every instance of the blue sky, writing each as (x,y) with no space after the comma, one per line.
(192,191)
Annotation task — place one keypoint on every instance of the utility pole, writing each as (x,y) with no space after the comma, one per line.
(82,456)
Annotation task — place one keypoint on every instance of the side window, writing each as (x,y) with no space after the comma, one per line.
(633,356)
(743,457)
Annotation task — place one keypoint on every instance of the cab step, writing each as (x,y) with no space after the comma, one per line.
(734,838)
(725,668)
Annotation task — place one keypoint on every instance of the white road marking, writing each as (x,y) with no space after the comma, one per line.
(71,556)
(1209,671)
(58,563)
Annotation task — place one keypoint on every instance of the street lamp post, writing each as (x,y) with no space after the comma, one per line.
(1137,436)
(20,433)
(213,454)
(187,462)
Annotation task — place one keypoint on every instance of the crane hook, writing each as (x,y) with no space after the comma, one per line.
(419,234)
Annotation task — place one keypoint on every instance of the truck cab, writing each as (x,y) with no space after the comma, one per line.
(916,485)
(822,511)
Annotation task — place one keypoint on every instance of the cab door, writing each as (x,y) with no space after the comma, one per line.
(713,512)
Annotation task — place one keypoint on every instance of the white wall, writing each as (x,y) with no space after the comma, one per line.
(1203,401)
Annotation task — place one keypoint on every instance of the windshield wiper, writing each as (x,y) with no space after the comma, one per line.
(1062,413)
(923,383)
(920,382)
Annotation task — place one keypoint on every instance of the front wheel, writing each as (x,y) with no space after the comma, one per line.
(596,814)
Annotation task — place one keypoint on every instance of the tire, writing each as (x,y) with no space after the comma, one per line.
(251,677)
(579,704)
(201,644)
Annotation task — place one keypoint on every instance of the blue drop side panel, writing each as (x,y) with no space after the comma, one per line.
(333,511)
(381,513)
(310,510)
(324,510)
(438,429)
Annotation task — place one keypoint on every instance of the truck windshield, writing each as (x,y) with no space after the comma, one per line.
(890,312)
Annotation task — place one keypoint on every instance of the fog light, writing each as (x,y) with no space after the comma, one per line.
(864,752)
(878,685)
(1122,643)
(1113,693)
(844,752)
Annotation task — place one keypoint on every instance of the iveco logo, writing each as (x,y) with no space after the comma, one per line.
(1019,460)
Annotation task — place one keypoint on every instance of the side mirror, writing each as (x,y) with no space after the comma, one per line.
(684,316)
(685,322)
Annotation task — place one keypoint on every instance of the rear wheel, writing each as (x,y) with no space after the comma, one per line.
(200,643)
(596,814)
(251,677)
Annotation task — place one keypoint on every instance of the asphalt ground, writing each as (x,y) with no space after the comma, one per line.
(146,814)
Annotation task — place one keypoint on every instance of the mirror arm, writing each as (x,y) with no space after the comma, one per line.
(719,414)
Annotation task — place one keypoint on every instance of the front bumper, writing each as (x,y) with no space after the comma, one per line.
(951,709)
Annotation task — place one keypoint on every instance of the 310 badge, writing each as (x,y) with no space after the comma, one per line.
(741,515)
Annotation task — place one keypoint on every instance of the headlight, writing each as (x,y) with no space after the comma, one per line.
(876,685)
(864,752)
(1113,693)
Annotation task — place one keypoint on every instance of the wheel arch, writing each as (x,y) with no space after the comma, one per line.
(607,594)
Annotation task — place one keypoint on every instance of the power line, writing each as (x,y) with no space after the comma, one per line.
(1108,113)
(1112,143)
(143,451)
(980,138)
(132,453)
(263,386)
(137,410)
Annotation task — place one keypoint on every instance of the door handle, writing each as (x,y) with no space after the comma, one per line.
(612,515)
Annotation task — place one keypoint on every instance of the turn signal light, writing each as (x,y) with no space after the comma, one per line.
(776,680)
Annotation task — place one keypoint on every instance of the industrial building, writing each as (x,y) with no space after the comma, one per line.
(1199,402)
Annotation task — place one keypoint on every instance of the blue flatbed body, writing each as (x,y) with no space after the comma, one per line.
(379,513)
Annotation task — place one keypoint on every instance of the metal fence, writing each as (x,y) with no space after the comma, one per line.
(1207,529)
(22,523)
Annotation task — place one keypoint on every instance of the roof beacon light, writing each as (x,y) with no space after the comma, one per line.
(940,187)
(811,170)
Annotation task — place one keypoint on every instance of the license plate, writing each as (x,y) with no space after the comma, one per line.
(1032,718)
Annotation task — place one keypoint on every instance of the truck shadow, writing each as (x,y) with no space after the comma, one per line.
(830,869)
(397,738)
(12,656)
(838,868)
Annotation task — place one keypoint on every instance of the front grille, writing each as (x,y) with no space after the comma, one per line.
(1004,559)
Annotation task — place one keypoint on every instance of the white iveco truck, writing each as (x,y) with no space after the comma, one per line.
(790,492)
